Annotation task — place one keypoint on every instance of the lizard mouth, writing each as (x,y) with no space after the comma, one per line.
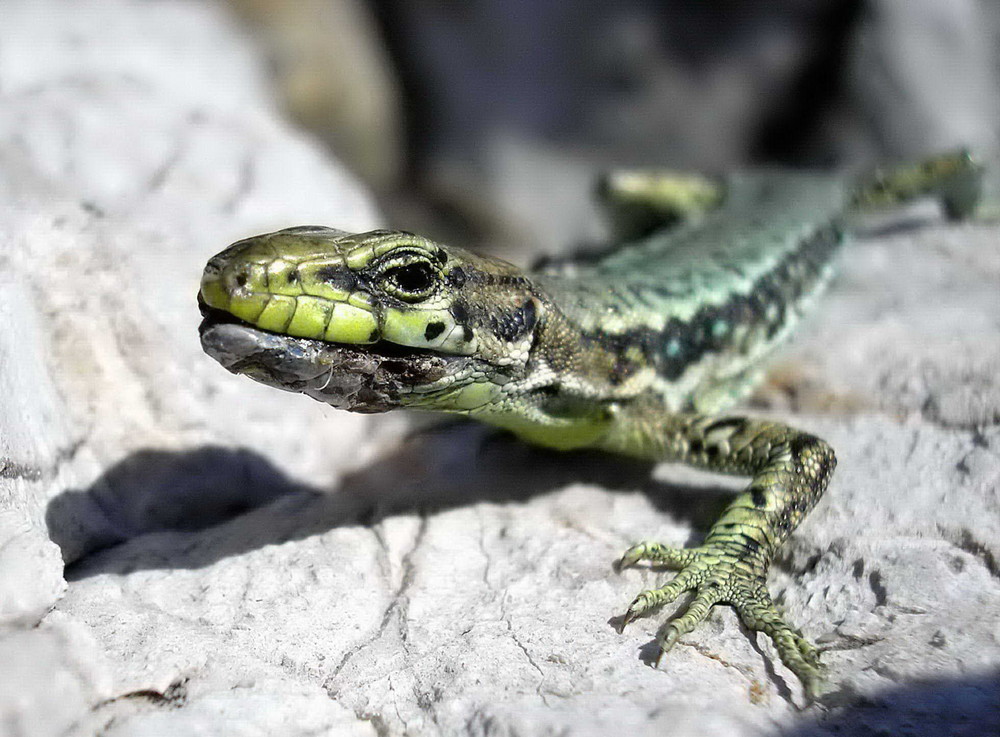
(359,378)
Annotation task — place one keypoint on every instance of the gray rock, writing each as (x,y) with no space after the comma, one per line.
(249,708)
(117,118)
(245,561)
(31,578)
(33,439)
(50,677)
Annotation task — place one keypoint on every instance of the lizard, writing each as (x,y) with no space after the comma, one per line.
(640,350)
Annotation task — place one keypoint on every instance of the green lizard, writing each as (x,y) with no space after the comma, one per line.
(635,352)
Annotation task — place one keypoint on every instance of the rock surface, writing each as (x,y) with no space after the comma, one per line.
(242,561)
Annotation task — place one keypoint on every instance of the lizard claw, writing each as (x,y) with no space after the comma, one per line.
(656,553)
(632,556)
(666,644)
(638,606)
(721,572)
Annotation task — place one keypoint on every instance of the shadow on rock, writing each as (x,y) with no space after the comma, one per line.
(188,509)
(957,707)
(156,491)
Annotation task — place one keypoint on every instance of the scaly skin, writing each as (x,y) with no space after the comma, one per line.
(636,352)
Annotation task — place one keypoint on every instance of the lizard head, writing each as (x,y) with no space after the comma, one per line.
(368,321)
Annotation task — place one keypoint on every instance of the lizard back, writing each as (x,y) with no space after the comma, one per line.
(705,301)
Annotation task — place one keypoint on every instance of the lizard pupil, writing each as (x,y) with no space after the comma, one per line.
(412,278)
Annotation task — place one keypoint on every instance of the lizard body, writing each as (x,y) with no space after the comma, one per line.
(636,351)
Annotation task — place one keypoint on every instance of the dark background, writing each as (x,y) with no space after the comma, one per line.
(485,120)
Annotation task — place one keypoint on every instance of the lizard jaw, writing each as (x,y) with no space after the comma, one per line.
(368,379)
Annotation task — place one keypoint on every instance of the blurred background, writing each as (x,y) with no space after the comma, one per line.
(485,120)
(187,552)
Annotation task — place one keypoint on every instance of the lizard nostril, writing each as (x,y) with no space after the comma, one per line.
(241,279)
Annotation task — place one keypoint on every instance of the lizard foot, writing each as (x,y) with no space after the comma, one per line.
(717,573)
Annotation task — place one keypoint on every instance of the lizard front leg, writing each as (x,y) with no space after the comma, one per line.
(789,469)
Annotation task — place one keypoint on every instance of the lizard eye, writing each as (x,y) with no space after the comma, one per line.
(411,282)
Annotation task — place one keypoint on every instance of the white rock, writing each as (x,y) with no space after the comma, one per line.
(31,578)
(49,678)
(248,562)
(247,710)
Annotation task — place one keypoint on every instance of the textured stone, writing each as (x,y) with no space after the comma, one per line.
(247,709)
(118,117)
(247,561)
(49,678)
(31,578)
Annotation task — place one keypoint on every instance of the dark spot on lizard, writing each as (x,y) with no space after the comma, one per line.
(460,312)
(513,325)
(621,370)
(337,277)
(726,423)
(800,442)
(527,315)
(433,330)
(456,277)
(759,498)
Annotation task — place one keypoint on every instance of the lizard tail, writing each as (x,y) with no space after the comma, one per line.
(956,178)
